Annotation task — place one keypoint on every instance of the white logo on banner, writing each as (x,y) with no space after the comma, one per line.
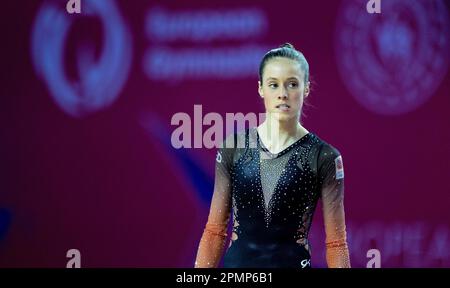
(393,62)
(100,81)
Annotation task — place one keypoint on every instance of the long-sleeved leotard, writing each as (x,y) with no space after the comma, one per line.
(272,199)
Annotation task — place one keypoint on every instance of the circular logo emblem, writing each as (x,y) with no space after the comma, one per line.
(393,62)
(100,80)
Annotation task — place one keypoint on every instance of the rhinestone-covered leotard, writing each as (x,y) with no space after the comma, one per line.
(272,198)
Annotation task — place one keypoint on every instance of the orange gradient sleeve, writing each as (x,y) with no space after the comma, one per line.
(213,240)
(332,178)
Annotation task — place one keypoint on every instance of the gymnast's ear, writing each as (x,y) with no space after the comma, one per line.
(307,89)
(260,91)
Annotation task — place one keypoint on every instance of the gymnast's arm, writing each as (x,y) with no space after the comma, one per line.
(212,242)
(332,194)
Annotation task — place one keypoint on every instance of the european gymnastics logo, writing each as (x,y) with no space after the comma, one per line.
(393,62)
(100,81)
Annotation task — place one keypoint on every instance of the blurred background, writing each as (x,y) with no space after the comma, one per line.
(87,101)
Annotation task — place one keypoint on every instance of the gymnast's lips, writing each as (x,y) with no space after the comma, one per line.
(283,107)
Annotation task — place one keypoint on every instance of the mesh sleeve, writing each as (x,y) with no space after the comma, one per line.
(212,242)
(331,175)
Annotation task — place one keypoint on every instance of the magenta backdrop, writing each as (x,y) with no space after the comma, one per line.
(102,178)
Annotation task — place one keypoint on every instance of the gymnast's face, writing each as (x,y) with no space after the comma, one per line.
(283,88)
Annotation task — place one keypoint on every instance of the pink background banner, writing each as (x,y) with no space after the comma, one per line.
(87,100)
